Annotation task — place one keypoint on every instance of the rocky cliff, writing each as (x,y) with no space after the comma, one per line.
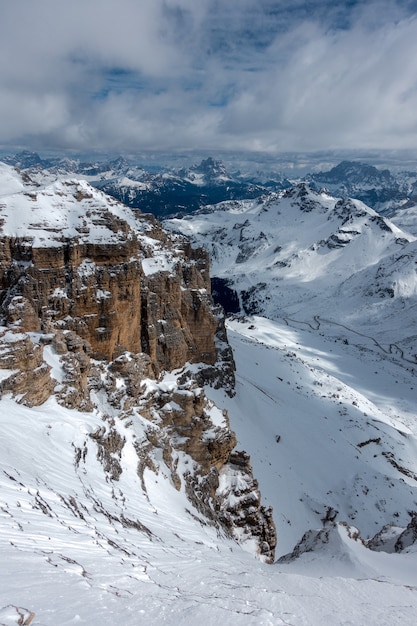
(113,277)
(107,313)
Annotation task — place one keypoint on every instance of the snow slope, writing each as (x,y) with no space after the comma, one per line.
(327,415)
(406,217)
(81,548)
(328,427)
(306,255)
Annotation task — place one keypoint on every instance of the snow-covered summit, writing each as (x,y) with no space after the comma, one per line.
(296,253)
(379,188)
(67,209)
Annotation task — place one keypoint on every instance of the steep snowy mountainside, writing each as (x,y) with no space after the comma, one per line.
(295,254)
(328,372)
(98,304)
(330,426)
(10,182)
(122,496)
(83,548)
(93,529)
(406,217)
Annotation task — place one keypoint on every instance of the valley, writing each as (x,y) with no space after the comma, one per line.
(151,445)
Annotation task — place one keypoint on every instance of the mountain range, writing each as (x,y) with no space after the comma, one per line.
(157,453)
(165,191)
(304,250)
(161,191)
(379,189)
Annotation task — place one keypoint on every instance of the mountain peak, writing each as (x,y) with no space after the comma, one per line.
(211,168)
(354,172)
(24,159)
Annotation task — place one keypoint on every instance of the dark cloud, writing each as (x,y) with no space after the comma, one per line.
(208,74)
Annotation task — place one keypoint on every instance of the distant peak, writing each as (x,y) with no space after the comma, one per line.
(23,159)
(211,167)
(353,172)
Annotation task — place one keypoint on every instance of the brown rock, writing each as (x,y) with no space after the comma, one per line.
(29,379)
(101,293)
(107,301)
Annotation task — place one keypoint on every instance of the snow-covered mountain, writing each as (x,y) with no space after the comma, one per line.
(107,327)
(307,255)
(122,496)
(168,190)
(378,188)
(330,288)
(158,190)
(406,217)
(179,191)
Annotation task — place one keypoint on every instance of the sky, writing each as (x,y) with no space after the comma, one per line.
(246,75)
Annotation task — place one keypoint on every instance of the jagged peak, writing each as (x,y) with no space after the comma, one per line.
(24,159)
(300,190)
(212,167)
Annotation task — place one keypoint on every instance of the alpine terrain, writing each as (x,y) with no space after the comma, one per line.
(164,463)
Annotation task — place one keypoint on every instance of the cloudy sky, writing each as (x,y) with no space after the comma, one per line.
(250,75)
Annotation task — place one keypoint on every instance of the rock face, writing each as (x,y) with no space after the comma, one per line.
(25,373)
(97,273)
(100,307)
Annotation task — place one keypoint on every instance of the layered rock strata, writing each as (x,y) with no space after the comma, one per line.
(113,277)
(98,305)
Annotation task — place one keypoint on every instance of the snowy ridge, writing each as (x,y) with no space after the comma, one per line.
(303,254)
(165,189)
(326,372)
(69,209)
(102,512)
(406,217)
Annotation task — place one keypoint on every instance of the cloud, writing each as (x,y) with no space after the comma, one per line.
(350,88)
(208,74)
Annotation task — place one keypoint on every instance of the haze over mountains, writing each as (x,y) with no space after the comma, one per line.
(111,508)
(165,190)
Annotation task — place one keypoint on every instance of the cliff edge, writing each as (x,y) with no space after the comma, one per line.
(107,314)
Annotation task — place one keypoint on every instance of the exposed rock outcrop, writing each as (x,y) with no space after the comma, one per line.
(109,313)
(194,440)
(396,539)
(23,372)
(10,615)
(112,276)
